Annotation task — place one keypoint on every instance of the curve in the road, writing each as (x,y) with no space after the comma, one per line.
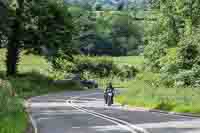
(126,125)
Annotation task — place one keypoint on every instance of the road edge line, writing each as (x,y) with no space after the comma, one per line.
(138,129)
(104,118)
(31,119)
(33,123)
(160,111)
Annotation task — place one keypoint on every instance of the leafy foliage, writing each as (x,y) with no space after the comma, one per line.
(9,102)
(34,25)
(176,28)
(189,51)
(154,51)
(98,66)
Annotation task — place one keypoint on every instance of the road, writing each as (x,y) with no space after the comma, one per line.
(85,112)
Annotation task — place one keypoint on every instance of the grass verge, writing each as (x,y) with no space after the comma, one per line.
(12,115)
(34,79)
(140,93)
(13,122)
(146,90)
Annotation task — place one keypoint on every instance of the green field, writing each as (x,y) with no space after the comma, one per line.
(27,63)
(133,60)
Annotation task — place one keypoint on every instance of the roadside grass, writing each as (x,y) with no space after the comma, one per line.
(13,122)
(142,94)
(34,79)
(13,118)
(146,90)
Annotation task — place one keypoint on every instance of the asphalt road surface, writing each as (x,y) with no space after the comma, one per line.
(85,112)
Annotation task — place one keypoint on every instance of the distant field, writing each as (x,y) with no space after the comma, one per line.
(27,62)
(133,60)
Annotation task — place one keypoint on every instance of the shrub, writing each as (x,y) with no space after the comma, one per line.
(172,75)
(100,66)
(168,72)
(149,78)
(177,68)
(165,104)
(9,103)
(186,77)
(169,62)
(188,55)
(127,71)
(156,49)
(188,52)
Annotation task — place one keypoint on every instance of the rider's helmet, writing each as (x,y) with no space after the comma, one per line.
(110,84)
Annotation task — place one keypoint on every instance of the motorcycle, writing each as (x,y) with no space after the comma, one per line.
(109,98)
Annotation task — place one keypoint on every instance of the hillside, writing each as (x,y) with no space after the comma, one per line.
(109,4)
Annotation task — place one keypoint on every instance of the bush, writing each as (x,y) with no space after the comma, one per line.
(127,71)
(96,66)
(177,66)
(165,104)
(100,66)
(9,103)
(172,75)
(12,115)
(168,72)
(188,53)
(186,77)
(149,78)
(156,49)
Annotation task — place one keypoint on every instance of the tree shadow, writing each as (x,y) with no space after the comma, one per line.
(2,74)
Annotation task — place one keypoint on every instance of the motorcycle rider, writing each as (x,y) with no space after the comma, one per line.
(110,88)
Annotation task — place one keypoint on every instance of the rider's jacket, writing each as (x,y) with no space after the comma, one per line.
(111,90)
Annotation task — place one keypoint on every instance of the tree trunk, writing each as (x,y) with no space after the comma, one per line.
(14,42)
(12,56)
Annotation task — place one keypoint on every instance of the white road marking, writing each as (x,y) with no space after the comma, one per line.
(175,124)
(171,114)
(178,124)
(47,104)
(126,125)
(76,127)
(117,123)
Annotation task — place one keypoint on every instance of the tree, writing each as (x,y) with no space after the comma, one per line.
(15,40)
(3,9)
(190,12)
(37,24)
(176,29)
(124,28)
